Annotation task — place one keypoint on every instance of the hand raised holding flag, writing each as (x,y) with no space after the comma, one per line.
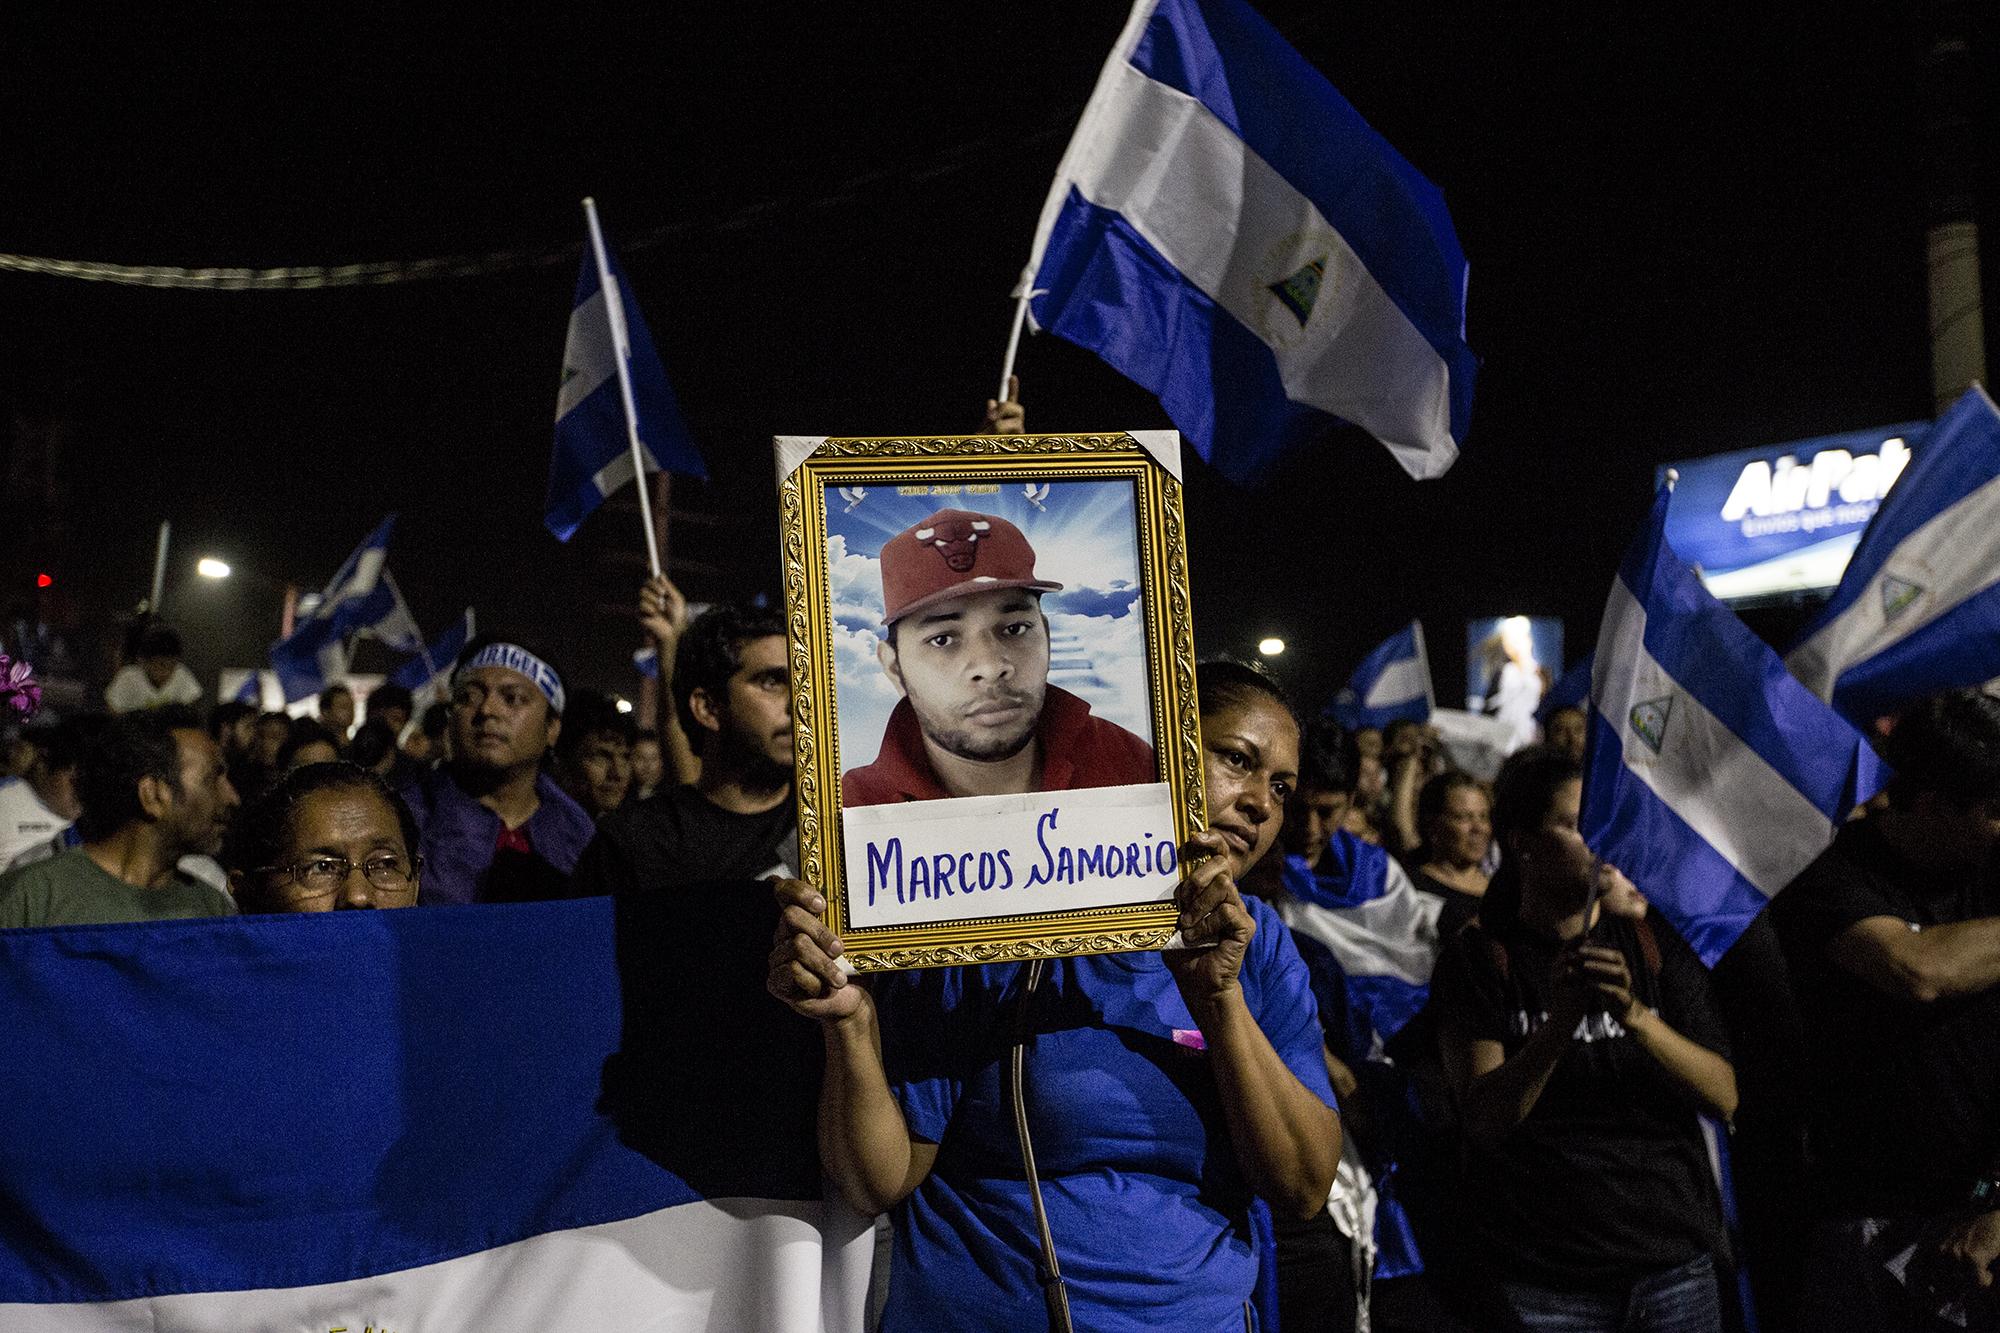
(1006,417)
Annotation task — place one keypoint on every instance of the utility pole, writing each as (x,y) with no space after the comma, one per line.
(1946,91)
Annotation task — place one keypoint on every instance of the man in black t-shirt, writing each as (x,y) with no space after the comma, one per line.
(737,822)
(1893,941)
(709,1072)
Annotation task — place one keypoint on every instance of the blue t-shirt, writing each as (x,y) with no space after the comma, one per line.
(1145,1198)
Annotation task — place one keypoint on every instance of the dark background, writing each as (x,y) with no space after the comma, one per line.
(1687,234)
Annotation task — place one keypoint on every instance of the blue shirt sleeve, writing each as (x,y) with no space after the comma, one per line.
(1280,990)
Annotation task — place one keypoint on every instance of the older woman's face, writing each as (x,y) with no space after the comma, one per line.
(1250,753)
(347,846)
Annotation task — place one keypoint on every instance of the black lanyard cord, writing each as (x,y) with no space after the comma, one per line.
(1048,1271)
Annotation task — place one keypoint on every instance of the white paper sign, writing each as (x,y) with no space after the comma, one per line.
(989,856)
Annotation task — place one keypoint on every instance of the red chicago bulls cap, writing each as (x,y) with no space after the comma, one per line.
(951,553)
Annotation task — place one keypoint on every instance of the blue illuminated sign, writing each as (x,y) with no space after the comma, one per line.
(1785,517)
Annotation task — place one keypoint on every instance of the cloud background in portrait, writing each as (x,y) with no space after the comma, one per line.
(1085,537)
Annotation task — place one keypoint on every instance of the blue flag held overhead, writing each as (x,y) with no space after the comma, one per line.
(360,599)
(593,447)
(1712,777)
(1392,682)
(1918,608)
(1226,230)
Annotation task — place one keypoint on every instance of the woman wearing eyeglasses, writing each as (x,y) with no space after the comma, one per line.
(328,837)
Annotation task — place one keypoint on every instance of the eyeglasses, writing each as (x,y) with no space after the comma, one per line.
(391,876)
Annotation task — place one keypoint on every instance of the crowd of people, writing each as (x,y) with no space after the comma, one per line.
(1433,1065)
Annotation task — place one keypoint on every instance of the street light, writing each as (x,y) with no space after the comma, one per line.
(1271,647)
(211,568)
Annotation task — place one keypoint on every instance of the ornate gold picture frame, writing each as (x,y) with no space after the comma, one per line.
(965,613)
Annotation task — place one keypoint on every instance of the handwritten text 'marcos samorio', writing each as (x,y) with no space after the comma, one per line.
(988,856)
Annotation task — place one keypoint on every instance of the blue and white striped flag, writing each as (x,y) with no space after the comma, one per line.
(427,675)
(1228,232)
(593,452)
(1712,776)
(1381,930)
(1392,682)
(360,599)
(393,1121)
(1918,609)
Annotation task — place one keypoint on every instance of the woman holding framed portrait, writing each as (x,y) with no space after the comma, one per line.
(1164,1089)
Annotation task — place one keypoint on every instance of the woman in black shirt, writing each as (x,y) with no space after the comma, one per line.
(1582,1046)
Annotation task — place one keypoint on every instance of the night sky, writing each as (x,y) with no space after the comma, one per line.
(1685,236)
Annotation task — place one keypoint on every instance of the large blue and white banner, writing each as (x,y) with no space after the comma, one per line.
(360,599)
(593,450)
(1227,231)
(1712,776)
(426,1121)
(1918,609)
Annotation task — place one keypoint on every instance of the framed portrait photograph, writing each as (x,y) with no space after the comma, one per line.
(992,663)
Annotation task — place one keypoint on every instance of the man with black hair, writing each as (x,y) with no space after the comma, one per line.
(425,746)
(393,704)
(155,677)
(1329,771)
(496,827)
(336,711)
(649,763)
(594,753)
(694,923)
(390,707)
(233,724)
(1893,941)
(737,822)
(154,789)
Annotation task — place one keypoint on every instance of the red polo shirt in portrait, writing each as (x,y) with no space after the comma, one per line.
(1078,750)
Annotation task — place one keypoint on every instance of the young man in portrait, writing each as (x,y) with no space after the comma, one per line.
(967,647)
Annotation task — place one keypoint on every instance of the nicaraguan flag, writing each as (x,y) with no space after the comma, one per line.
(1228,232)
(359,599)
(1571,690)
(593,453)
(1712,776)
(427,675)
(1393,681)
(391,1120)
(1918,609)
(1380,930)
